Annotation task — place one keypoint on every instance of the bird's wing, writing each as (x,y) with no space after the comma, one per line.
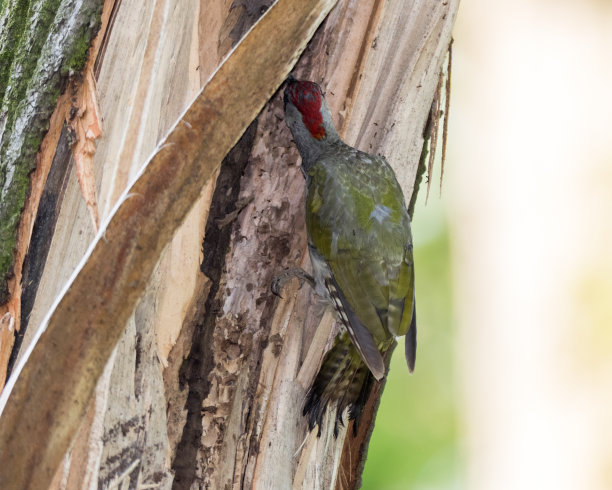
(358,222)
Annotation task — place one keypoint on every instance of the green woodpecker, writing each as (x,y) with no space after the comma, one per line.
(361,253)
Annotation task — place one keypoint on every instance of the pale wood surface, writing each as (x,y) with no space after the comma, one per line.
(228,415)
(67,360)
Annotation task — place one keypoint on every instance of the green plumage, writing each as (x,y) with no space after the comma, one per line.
(357,221)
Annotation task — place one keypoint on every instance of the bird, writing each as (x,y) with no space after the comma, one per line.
(360,247)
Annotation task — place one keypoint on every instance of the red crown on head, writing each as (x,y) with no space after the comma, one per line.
(306,97)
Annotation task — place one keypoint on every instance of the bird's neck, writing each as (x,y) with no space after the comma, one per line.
(311,150)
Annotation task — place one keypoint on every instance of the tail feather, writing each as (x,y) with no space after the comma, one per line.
(341,382)
(356,409)
(411,342)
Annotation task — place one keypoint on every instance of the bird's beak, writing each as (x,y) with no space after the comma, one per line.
(290,80)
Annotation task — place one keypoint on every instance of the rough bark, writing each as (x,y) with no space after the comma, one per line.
(206,385)
(41,43)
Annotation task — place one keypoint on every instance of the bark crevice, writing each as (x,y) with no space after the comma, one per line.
(194,371)
(42,235)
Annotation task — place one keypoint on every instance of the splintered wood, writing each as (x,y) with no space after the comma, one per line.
(85,121)
(60,373)
(208,372)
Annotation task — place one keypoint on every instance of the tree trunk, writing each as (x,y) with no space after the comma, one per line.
(206,385)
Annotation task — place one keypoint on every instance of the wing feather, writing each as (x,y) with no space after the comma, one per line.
(357,221)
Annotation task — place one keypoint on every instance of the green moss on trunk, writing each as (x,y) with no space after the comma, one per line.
(41,43)
(11,31)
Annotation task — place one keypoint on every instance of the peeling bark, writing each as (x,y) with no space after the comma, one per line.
(86,125)
(206,385)
(66,361)
(41,42)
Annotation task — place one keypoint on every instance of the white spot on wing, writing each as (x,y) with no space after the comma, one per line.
(380,213)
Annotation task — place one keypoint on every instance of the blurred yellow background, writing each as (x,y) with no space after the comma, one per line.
(513,384)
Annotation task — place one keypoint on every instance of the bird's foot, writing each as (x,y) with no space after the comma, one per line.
(284,277)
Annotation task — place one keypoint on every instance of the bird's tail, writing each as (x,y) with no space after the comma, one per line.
(344,381)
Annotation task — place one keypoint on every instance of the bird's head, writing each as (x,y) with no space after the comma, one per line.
(308,117)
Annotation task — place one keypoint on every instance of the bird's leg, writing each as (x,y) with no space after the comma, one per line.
(284,277)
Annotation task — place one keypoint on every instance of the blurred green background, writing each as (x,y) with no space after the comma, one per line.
(513,381)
